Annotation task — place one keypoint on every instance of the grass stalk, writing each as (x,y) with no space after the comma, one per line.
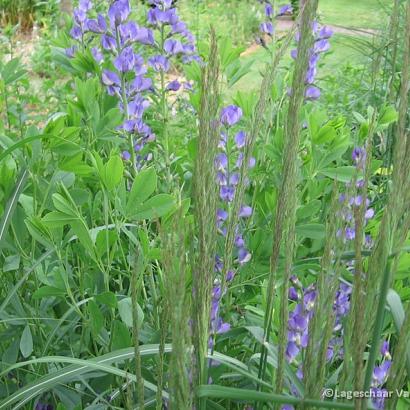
(136,279)
(322,323)
(177,304)
(285,216)
(205,206)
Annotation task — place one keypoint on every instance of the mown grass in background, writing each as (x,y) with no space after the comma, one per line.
(365,14)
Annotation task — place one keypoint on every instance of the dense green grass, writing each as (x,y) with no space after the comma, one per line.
(355,13)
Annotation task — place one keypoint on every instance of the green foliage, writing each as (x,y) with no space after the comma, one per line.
(107,272)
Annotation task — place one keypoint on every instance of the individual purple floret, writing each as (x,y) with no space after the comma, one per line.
(230,115)
(267,28)
(286,9)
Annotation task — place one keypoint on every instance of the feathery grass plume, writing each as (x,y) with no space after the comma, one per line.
(393,46)
(396,205)
(353,366)
(397,374)
(322,323)
(205,207)
(136,282)
(175,274)
(163,332)
(284,224)
(379,275)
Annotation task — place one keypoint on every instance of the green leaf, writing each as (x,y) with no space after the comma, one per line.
(107,298)
(125,311)
(397,311)
(12,71)
(11,263)
(326,134)
(312,231)
(96,318)
(155,207)
(78,368)
(11,205)
(83,234)
(120,337)
(114,170)
(388,115)
(48,291)
(342,174)
(57,219)
(62,205)
(26,342)
(246,395)
(10,355)
(144,185)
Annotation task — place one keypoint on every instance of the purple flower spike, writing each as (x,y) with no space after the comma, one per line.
(312,93)
(230,275)
(245,212)
(293,294)
(80,16)
(227,193)
(223,327)
(380,372)
(145,36)
(231,115)
(266,28)
(240,139)
(239,242)
(173,47)
(118,12)
(110,78)
(126,156)
(85,5)
(321,46)
(221,161)
(69,52)
(384,350)
(140,84)
(98,26)
(268,10)
(98,56)
(126,60)
(350,234)
(221,215)
(108,42)
(292,351)
(76,33)
(137,106)
(359,156)
(159,63)
(286,9)
(325,32)
(310,75)
(243,256)
(174,86)
(179,27)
